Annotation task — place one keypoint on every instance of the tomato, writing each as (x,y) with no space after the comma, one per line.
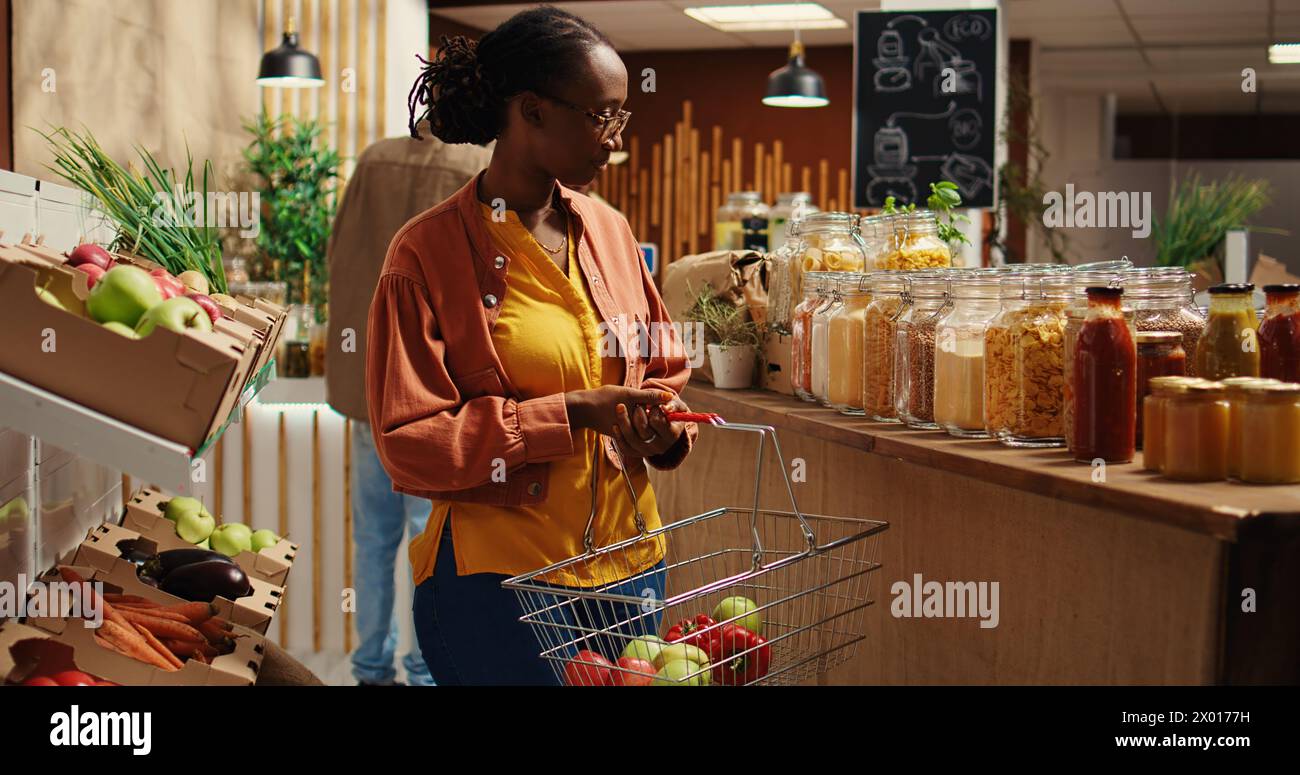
(587,668)
(691,631)
(73,678)
(40,680)
(639,672)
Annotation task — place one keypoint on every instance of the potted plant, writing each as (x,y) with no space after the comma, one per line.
(1200,215)
(732,338)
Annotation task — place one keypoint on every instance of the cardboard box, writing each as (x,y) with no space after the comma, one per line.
(776,364)
(144,515)
(100,551)
(238,668)
(181,387)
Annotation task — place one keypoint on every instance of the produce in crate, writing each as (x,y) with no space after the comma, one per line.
(264,539)
(232,538)
(691,631)
(209,306)
(90,253)
(49,298)
(177,314)
(123,295)
(194,282)
(205,581)
(192,520)
(66,678)
(121,329)
(168,285)
(739,656)
(160,565)
(632,672)
(94,273)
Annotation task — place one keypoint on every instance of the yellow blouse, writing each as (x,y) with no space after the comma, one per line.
(548,339)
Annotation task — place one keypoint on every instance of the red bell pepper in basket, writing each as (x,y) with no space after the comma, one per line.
(738,656)
(692,632)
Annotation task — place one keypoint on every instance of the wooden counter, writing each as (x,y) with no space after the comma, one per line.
(1105,576)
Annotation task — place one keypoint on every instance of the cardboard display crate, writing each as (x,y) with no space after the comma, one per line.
(100,551)
(238,668)
(144,515)
(181,387)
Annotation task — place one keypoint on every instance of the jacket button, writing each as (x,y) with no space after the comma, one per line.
(489,301)
(535,488)
(499,262)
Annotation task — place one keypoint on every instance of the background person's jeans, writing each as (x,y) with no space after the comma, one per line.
(379,518)
(470,632)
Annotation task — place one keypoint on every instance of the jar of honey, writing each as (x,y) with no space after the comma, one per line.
(1159,354)
(1195,420)
(1234,390)
(1153,408)
(1270,433)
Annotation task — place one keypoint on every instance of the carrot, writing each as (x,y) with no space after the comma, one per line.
(110,613)
(187,648)
(132,600)
(199,656)
(132,644)
(164,628)
(194,613)
(157,613)
(156,645)
(212,631)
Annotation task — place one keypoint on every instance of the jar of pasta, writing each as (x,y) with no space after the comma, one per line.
(1270,429)
(1196,432)
(821,340)
(829,242)
(916,243)
(914,337)
(1161,298)
(1024,376)
(1234,389)
(1153,419)
(1229,347)
(1159,354)
(815,295)
(847,332)
(887,292)
(728,228)
(959,352)
(1279,333)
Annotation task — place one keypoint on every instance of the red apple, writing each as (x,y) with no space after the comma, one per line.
(73,678)
(40,680)
(587,669)
(209,306)
(90,253)
(639,672)
(167,284)
(93,271)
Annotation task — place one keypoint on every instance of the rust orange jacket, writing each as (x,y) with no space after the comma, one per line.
(442,409)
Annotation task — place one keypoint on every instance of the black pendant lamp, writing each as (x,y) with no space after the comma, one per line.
(795,86)
(288,66)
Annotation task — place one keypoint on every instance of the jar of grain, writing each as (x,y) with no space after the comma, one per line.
(821,319)
(1024,376)
(887,291)
(1161,298)
(914,348)
(959,354)
(847,334)
(814,297)
(1196,432)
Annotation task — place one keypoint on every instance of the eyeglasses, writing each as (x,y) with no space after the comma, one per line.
(610,126)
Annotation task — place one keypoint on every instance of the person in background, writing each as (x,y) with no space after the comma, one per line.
(490,390)
(394,180)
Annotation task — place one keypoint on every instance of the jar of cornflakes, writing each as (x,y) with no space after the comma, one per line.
(887,291)
(830,242)
(1024,384)
(916,243)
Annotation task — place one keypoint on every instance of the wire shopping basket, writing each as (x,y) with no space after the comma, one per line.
(762,596)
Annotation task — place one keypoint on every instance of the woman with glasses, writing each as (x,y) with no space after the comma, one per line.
(494,389)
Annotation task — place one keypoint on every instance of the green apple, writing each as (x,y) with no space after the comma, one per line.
(205,544)
(49,298)
(121,329)
(264,539)
(646,647)
(678,651)
(13,514)
(675,674)
(193,522)
(123,295)
(232,538)
(176,314)
(734,607)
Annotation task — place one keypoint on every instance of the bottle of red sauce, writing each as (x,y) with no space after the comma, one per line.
(1105,381)
(1279,333)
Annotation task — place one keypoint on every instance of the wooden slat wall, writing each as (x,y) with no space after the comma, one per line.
(691,173)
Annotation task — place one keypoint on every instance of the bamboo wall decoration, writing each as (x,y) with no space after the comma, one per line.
(691,174)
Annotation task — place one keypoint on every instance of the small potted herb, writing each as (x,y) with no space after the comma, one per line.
(732,338)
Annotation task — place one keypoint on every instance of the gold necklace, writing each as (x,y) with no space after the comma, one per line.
(562,242)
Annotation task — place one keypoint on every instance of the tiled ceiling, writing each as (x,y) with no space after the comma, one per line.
(1183,56)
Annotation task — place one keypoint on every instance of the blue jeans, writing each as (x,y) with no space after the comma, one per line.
(470,633)
(379,518)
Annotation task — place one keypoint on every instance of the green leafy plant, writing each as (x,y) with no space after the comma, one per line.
(1201,214)
(944,198)
(725,324)
(297,175)
(158,215)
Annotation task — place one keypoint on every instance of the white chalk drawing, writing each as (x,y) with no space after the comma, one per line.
(971,173)
(966,128)
(892,173)
(893,73)
(967,27)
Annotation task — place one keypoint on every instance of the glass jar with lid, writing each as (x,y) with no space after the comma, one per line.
(1270,433)
(830,242)
(914,351)
(297,341)
(877,236)
(887,292)
(1234,390)
(790,205)
(814,297)
(959,352)
(847,333)
(728,228)
(1161,298)
(1024,362)
(1104,381)
(783,291)
(1229,347)
(1279,333)
(916,243)
(1159,354)
(1196,432)
(1153,420)
(821,319)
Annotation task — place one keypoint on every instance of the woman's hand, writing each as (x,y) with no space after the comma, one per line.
(597,409)
(649,433)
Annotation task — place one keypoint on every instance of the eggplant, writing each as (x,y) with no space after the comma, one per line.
(204,581)
(127,549)
(161,565)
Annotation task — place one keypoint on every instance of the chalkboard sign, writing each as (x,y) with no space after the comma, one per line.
(924,104)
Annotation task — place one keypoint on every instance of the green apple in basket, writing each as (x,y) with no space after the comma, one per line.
(232,538)
(680,651)
(193,522)
(741,607)
(646,647)
(675,674)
